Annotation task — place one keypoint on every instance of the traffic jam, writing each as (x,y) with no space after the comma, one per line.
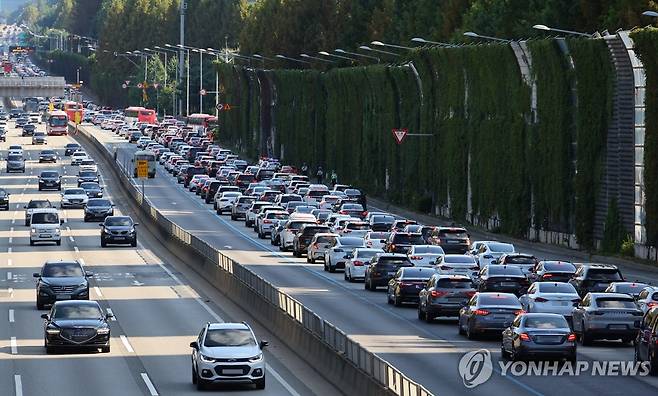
(537,308)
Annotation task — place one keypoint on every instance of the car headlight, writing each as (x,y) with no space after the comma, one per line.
(34,230)
(53,331)
(256,358)
(58,230)
(103,330)
(205,358)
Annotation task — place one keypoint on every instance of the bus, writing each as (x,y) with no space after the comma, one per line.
(144,155)
(71,108)
(140,114)
(57,123)
(200,121)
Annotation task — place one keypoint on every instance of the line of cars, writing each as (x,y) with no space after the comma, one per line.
(541,307)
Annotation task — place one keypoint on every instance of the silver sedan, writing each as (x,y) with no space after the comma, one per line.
(550,297)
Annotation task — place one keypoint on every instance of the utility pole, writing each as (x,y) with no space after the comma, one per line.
(181,59)
(200,80)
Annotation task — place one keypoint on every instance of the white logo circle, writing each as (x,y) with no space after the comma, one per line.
(475,368)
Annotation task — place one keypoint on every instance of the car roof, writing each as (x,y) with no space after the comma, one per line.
(76,303)
(608,295)
(217,326)
(48,262)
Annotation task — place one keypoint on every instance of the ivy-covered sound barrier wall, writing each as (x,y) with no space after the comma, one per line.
(488,156)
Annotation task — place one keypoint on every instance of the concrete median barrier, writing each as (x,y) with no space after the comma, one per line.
(342,361)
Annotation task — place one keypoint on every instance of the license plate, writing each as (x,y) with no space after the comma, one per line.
(119,238)
(44,236)
(563,303)
(232,371)
(63,296)
(499,317)
(617,327)
(508,284)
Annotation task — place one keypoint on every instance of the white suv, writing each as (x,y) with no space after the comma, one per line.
(45,226)
(228,353)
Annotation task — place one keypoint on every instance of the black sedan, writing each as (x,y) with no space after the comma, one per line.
(76,324)
(61,280)
(118,230)
(28,130)
(407,283)
(539,335)
(93,190)
(488,313)
(47,156)
(50,180)
(71,148)
(98,208)
(4,199)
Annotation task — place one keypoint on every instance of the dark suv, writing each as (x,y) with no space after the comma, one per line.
(50,180)
(400,242)
(118,230)
(453,240)
(304,236)
(382,268)
(444,295)
(61,280)
(595,278)
(502,279)
(190,172)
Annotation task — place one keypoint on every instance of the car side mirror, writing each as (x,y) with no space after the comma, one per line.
(24,206)
(136,224)
(100,224)
(89,274)
(194,345)
(263,344)
(44,316)
(109,316)
(61,221)
(36,275)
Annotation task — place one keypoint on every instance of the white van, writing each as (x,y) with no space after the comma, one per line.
(45,226)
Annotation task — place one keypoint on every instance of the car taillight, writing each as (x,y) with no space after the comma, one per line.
(343,212)
(393,246)
(437,294)
(266,221)
(364,214)
(652,304)
(406,284)
(481,312)
(524,337)
(519,312)
(347,230)
(571,337)
(547,276)
(357,263)
(471,293)
(540,299)
(416,257)
(445,268)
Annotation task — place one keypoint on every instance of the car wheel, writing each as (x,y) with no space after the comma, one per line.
(371,287)
(503,353)
(59,243)
(260,383)
(232,216)
(50,349)
(134,242)
(573,359)
(201,384)
(627,340)
(40,305)
(460,327)
(332,269)
(429,318)
(194,378)
(295,253)
(27,223)
(31,242)
(388,297)
(103,242)
(397,301)
(469,332)
(584,338)
(105,349)
(421,314)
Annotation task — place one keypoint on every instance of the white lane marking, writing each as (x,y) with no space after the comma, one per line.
(71,239)
(18,385)
(76,249)
(98,291)
(14,346)
(10,291)
(149,384)
(11,230)
(9,262)
(18,205)
(126,343)
(113,318)
(8,250)
(11,316)
(9,275)
(283,382)
(11,239)
(13,221)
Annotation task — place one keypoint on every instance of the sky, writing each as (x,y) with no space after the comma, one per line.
(7,6)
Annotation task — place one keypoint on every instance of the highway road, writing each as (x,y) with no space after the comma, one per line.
(159,305)
(427,353)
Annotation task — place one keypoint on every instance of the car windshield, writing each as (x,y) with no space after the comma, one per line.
(57,270)
(379,235)
(229,338)
(90,186)
(389,262)
(408,239)
(456,233)
(615,302)
(82,311)
(118,221)
(350,241)
(428,250)
(501,247)
(417,273)
(39,204)
(352,207)
(559,267)
(455,283)
(278,216)
(504,270)
(74,191)
(547,287)
(45,218)
(546,322)
(499,299)
(99,202)
(519,260)
(459,259)
(14,157)
(604,274)
(630,288)
(87,174)
(49,174)
(47,152)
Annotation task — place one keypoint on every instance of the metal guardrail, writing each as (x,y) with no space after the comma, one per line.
(383,372)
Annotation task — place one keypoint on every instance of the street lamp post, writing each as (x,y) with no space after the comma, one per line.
(306,56)
(380,44)
(325,53)
(292,59)
(491,38)
(200,51)
(178,78)
(552,29)
(183,48)
(341,51)
(366,48)
(423,41)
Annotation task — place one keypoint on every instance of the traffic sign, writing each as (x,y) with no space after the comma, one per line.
(51,107)
(223,107)
(203,92)
(399,134)
(127,82)
(77,117)
(142,169)
(156,85)
(139,85)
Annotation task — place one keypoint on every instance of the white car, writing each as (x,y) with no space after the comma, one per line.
(226,200)
(457,264)
(424,255)
(338,254)
(648,298)
(74,198)
(550,297)
(143,141)
(355,266)
(77,157)
(88,164)
(269,221)
(238,350)
(294,224)
(490,251)
(376,239)
(319,244)
(45,226)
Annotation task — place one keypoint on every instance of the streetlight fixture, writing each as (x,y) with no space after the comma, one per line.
(341,51)
(366,48)
(650,14)
(201,90)
(325,53)
(424,41)
(552,29)
(306,56)
(491,38)
(380,44)
(291,59)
